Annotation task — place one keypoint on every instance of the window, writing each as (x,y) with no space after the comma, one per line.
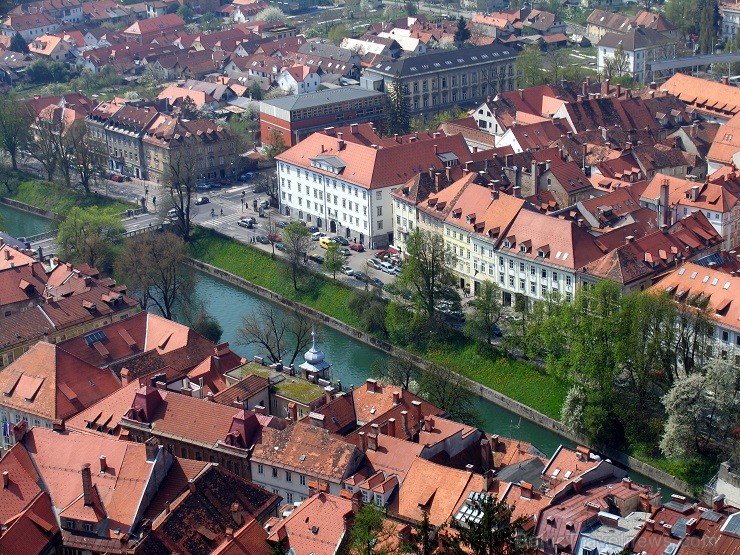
(274,473)
(302,480)
(289,497)
(568,280)
(380,210)
(511,281)
(380,224)
(378,195)
(554,276)
(521,266)
(511,264)
(288,477)
(533,271)
(522,285)
(725,335)
(533,288)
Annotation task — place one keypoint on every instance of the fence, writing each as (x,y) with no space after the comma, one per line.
(487,393)
(28,208)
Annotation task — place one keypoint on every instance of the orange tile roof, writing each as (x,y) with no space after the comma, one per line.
(722,291)
(21,283)
(122,339)
(526,502)
(703,93)
(566,465)
(309,450)
(372,168)
(178,476)
(477,210)
(393,456)
(318,525)
(23,487)
(33,531)
(442,497)
(52,384)
(711,196)
(373,398)
(163,23)
(10,257)
(59,458)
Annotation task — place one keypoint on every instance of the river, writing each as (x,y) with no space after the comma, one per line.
(351,360)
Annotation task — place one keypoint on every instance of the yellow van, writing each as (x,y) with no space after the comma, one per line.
(325,242)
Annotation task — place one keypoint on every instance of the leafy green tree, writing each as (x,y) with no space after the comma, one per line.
(86,236)
(617,64)
(188,109)
(410,9)
(371,309)
(334,259)
(255,91)
(528,64)
(15,134)
(398,108)
(43,71)
(428,271)
(682,13)
(449,391)
(708,25)
(422,535)
(337,34)
(185,12)
(153,266)
(297,239)
(462,33)
(18,44)
(488,312)
(401,372)
(209,23)
(497,532)
(366,531)
(207,326)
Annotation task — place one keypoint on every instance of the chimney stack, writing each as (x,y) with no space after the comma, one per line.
(293,411)
(428,424)
(6,479)
(329,393)
(236,514)
(485,454)
(87,495)
(725,80)
(316,419)
(392,427)
(417,412)
(664,214)
(405,422)
(691,526)
(103,464)
(152,448)
(718,503)
(371,385)
(363,442)
(372,442)
(396,397)
(517,191)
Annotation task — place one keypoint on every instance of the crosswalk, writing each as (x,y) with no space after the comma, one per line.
(218,220)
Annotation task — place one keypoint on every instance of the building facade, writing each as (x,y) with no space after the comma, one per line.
(441,80)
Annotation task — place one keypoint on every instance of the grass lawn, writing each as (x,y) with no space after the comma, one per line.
(516,379)
(60,200)
(696,471)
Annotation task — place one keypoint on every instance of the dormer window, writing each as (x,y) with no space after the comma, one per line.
(522,248)
(507,244)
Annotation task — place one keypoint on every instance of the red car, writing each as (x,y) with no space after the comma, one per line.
(356,247)
(274,238)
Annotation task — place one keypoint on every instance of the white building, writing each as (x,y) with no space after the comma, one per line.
(640,46)
(344,187)
(298,80)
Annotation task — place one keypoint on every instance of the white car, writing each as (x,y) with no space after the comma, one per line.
(317,235)
(375,263)
(387,267)
(346,270)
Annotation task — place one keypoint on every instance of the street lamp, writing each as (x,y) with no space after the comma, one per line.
(243,199)
(146,196)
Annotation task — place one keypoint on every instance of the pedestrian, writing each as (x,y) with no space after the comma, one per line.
(213,212)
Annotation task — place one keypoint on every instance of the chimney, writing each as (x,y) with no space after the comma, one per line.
(517,191)
(718,503)
(417,412)
(695,193)
(664,214)
(526,488)
(354,128)
(372,442)
(392,427)
(236,514)
(356,502)
(329,393)
(259,409)
(547,164)
(293,411)
(125,376)
(103,464)
(436,149)
(584,89)
(316,419)
(725,80)
(650,524)
(371,385)
(229,533)
(363,442)
(87,495)
(485,454)
(405,422)
(428,424)
(152,448)
(653,86)
(488,479)
(691,526)
(605,87)
(534,169)
(191,485)
(577,485)
(619,90)
(58,426)
(6,479)
(396,397)
(629,239)
(437,178)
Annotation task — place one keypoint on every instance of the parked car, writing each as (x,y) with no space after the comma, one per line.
(362,276)
(316,235)
(202,200)
(382,253)
(280,246)
(373,263)
(262,240)
(396,271)
(246,222)
(282,224)
(387,267)
(357,247)
(316,258)
(203,187)
(246,176)
(375,282)
(345,251)
(172,213)
(346,270)
(274,238)
(265,204)
(313,229)
(341,240)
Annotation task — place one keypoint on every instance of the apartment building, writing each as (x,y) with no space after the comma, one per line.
(641,46)
(345,187)
(441,80)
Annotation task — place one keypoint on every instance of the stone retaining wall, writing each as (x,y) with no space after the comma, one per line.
(28,208)
(476,388)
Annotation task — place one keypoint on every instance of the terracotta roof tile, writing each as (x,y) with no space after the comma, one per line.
(23,487)
(704,94)
(33,531)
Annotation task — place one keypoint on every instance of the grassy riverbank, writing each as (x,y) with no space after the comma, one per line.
(516,379)
(57,199)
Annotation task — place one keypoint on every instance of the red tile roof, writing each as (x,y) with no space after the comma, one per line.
(23,487)
(33,531)
(163,23)
(52,384)
(318,525)
(21,283)
(707,96)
